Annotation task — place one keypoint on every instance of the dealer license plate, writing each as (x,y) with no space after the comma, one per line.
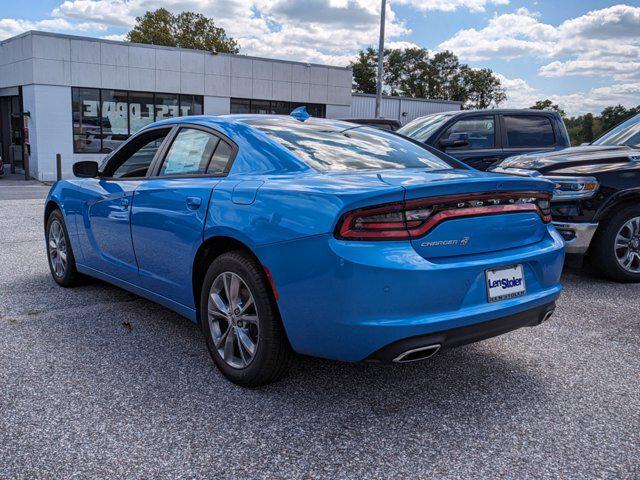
(504,283)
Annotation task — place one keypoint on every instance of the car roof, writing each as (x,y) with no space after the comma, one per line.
(498,110)
(235,119)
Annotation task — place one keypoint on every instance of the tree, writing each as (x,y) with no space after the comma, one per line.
(412,72)
(483,89)
(364,71)
(612,116)
(185,30)
(548,105)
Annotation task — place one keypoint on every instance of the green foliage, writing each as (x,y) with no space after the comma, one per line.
(548,105)
(413,72)
(185,30)
(364,71)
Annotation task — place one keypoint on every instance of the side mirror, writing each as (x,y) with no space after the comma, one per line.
(455,140)
(85,169)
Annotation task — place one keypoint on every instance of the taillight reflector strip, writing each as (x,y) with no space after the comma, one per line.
(416,218)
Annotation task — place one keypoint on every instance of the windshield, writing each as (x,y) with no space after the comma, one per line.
(627,133)
(334,145)
(422,128)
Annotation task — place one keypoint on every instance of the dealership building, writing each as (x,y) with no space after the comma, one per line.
(81,97)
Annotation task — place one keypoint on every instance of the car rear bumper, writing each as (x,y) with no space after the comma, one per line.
(347,300)
(456,337)
(577,236)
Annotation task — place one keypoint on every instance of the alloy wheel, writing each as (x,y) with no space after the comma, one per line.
(627,245)
(57,249)
(233,320)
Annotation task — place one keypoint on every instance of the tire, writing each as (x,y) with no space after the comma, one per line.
(603,253)
(63,269)
(229,333)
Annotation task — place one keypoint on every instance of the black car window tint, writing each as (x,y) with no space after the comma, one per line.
(529,131)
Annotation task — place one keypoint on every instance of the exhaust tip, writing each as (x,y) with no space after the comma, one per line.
(547,315)
(417,354)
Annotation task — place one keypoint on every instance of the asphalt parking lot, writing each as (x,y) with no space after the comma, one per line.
(96,382)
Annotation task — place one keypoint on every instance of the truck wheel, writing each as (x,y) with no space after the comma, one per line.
(616,247)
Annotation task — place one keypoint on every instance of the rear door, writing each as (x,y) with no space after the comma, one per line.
(485,146)
(526,133)
(170,208)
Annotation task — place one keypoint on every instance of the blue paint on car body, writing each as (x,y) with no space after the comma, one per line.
(338,298)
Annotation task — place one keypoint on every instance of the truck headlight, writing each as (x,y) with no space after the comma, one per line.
(573,188)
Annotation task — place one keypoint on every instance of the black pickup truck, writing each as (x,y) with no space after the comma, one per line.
(480,138)
(596,203)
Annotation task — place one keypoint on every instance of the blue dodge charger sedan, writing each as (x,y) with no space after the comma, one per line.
(282,234)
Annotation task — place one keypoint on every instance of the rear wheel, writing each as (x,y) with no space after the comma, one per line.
(241,323)
(62,263)
(616,248)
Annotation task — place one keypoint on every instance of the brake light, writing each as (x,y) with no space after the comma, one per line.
(416,218)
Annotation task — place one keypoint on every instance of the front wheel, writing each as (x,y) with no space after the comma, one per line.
(616,248)
(241,323)
(62,263)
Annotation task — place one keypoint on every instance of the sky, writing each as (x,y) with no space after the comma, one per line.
(582,54)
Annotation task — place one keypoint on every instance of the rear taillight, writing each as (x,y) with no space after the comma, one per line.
(415,218)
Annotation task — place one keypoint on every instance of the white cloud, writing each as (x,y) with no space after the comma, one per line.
(450,5)
(603,42)
(327,31)
(10,27)
(522,95)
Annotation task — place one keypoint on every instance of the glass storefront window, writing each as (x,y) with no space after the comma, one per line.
(245,105)
(115,119)
(86,120)
(102,119)
(141,110)
(167,106)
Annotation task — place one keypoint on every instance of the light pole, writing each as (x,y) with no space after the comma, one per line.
(380,58)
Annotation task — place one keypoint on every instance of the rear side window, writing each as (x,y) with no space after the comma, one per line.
(529,131)
(190,153)
(220,158)
(481,131)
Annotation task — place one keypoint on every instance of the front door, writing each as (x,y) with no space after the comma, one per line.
(484,147)
(105,234)
(170,209)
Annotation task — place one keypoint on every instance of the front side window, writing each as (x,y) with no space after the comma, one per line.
(325,145)
(134,158)
(190,153)
(529,131)
(480,130)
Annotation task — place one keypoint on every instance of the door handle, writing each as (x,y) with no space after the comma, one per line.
(194,202)
(125,203)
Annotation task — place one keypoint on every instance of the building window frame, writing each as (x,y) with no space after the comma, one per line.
(275,107)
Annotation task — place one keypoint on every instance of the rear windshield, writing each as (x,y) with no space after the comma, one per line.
(333,145)
(422,128)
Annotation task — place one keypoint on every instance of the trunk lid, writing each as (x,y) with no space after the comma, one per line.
(487,228)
